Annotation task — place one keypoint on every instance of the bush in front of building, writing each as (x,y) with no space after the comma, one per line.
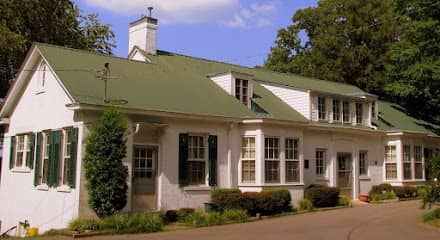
(236,215)
(381,188)
(377,197)
(268,202)
(204,219)
(306,205)
(322,196)
(105,172)
(135,223)
(405,191)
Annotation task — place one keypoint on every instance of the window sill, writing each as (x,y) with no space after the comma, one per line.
(272,185)
(197,188)
(21,170)
(322,178)
(365,178)
(64,188)
(43,187)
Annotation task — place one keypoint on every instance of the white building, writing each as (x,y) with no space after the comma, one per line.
(194,125)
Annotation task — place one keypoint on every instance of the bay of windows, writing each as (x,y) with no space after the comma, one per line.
(359,113)
(272,160)
(292,160)
(248,160)
(390,163)
(407,166)
(418,162)
(346,112)
(322,109)
(336,110)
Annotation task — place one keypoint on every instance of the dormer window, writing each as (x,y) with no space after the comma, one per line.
(242,91)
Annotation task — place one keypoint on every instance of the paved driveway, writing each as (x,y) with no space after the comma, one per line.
(370,222)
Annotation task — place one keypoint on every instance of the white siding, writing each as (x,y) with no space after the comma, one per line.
(225,82)
(21,200)
(298,100)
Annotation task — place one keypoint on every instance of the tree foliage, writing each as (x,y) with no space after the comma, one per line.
(46,21)
(433,189)
(105,173)
(414,69)
(345,42)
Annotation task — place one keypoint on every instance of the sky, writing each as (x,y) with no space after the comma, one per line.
(234,31)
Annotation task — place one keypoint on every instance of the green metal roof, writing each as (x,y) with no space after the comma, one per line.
(171,83)
(393,117)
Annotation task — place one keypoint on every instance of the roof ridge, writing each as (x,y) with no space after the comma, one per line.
(262,70)
(198,58)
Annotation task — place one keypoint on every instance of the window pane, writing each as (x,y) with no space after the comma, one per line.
(322,108)
(292,171)
(336,110)
(391,170)
(363,163)
(248,171)
(346,112)
(272,171)
(196,172)
(320,162)
(359,113)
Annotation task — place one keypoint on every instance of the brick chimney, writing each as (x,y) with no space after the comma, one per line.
(143,34)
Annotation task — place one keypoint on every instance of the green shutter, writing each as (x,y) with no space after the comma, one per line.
(212,140)
(183,158)
(54,158)
(72,164)
(37,159)
(12,153)
(30,157)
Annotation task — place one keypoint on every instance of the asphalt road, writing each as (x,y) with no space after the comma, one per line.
(399,221)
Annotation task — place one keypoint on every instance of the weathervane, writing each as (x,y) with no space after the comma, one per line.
(104,75)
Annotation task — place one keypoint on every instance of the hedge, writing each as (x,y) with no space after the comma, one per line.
(268,202)
(322,196)
(381,188)
(405,191)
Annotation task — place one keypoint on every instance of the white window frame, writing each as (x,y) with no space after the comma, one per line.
(24,152)
(321,162)
(65,156)
(363,157)
(418,159)
(406,159)
(337,111)
(203,159)
(248,150)
(359,110)
(390,159)
(239,90)
(346,112)
(276,150)
(294,158)
(322,109)
(44,158)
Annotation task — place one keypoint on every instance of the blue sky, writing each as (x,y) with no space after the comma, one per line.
(235,31)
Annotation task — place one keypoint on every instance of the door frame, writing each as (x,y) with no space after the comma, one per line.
(158,171)
(352,172)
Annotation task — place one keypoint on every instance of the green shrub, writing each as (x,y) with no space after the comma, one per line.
(306,204)
(136,223)
(376,197)
(432,195)
(266,203)
(221,192)
(344,201)
(142,223)
(105,172)
(431,216)
(322,196)
(202,219)
(170,216)
(422,190)
(184,212)
(405,191)
(283,196)
(381,188)
(236,215)
(82,225)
